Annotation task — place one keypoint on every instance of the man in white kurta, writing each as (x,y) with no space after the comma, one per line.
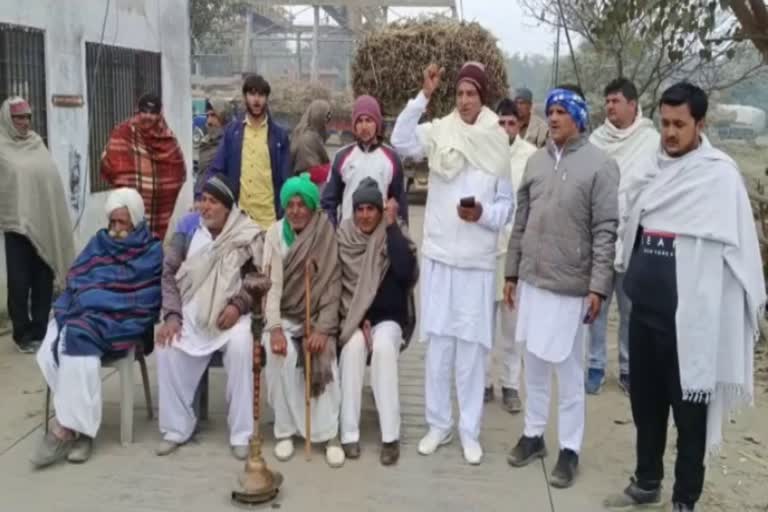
(469,202)
(379,269)
(631,139)
(303,241)
(559,270)
(505,346)
(110,303)
(207,308)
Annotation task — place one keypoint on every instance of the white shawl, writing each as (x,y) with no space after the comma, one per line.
(630,147)
(214,271)
(720,286)
(451,144)
(519,151)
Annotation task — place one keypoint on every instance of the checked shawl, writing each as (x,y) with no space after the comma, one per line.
(112,295)
(150,161)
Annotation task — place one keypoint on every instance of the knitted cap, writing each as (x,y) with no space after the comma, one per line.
(367,106)
(474,73)
(524,94)
(368,192)
(150,102)
(218,187)
(19,107)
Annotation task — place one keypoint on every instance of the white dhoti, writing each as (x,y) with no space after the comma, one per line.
(506,348)
(552,328)
(75,383)
(179,374)
(285,393)
(457,322)
(386,339)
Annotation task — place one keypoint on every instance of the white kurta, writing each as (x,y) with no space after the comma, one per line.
(457,302)
(552,328)
(506,348)
(194,339)
(285,393)
(75,383)
(548,322)
(458,286)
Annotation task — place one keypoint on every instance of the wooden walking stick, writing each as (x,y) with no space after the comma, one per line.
(307,360)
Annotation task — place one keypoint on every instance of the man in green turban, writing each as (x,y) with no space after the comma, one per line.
(303,241)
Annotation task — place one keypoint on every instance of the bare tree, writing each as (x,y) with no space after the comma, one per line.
(652,42)
(212,22)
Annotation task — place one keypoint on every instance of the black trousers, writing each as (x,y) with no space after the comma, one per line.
(30,289)
(655,388)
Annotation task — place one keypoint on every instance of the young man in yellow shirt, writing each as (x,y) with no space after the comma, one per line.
(254,155)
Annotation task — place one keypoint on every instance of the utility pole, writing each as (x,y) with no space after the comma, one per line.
(247,45)
(556,73)
(314,76)
(298,53)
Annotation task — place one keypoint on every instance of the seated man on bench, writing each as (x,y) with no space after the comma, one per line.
(379,270)
(111,300)
(210,280)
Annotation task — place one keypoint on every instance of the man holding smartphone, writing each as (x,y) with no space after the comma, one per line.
(559,271)
(470,201)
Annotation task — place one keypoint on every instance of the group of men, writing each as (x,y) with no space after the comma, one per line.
(662,221)
(244,252)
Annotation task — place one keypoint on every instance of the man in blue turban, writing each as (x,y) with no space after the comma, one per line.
(559,271)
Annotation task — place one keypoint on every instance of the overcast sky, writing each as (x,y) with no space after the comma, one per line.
(517,32)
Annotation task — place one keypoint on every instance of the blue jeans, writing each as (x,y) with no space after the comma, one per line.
(597,331)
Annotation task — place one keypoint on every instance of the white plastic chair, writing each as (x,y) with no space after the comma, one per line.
(124,367)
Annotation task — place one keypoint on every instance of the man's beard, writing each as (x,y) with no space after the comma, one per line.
(256,112)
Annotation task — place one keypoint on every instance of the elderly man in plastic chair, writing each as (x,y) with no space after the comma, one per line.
(111,300)
(379,271)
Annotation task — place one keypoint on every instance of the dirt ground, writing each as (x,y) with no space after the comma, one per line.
(736,478)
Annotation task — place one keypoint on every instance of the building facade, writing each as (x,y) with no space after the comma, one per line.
(82,65)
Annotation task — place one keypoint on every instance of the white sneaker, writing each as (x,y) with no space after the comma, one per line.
(473,452)
(334,455)
(284,450)
(434,440)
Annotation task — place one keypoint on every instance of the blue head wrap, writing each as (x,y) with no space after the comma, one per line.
(573,103)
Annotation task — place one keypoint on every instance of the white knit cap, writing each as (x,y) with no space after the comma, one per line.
(126,198)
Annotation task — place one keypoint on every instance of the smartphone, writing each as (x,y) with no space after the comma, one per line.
(467,202)
(586,318)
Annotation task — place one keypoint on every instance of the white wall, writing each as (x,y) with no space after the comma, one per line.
(153,25)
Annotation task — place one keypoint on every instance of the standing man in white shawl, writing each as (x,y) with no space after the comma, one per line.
(506,346)
(35,222)
(470,201)
(210,280)
(629,138)
(695,279)
(559,271)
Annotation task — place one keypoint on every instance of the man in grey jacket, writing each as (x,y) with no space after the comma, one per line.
(561,255)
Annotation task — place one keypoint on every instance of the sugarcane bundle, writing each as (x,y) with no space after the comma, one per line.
(389,63)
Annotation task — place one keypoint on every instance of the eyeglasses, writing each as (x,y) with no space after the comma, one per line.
(28,117)
(507,122)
